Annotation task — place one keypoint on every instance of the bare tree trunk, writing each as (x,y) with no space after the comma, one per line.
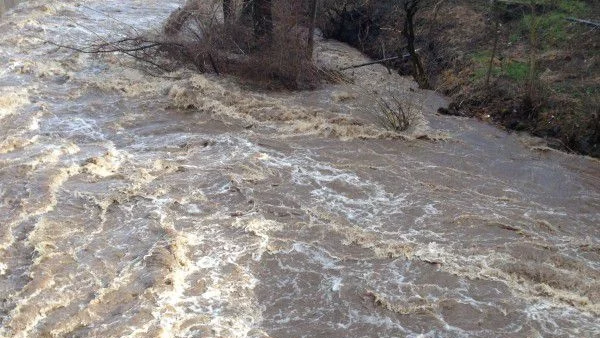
(410,9)
(262,18)
(227,10)
(311,28)
(246,15)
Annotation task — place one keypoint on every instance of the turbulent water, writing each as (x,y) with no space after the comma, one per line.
(6,5)
(193,206)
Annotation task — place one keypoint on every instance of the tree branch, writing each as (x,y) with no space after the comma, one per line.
(585,22)
(377,61)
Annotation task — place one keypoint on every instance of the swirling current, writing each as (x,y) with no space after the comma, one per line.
(190,205)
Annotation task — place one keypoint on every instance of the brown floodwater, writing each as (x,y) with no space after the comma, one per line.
(193,206)
(5,5)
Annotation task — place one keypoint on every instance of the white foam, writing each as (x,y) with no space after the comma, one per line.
(11,99)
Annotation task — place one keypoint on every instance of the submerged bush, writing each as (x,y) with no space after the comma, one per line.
(393,115)
(279,56)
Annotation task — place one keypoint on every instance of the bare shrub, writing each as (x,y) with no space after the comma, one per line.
(277,59)
(270,48)
(394,115)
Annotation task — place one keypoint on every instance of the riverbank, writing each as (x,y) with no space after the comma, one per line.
(193,205)
(549,90)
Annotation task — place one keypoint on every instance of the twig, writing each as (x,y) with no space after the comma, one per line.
(100,51)
(164,69)
(112,18)
(127,51)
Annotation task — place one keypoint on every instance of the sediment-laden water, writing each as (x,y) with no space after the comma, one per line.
(140,206)
(7,4)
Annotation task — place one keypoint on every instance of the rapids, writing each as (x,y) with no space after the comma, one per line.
(193,206)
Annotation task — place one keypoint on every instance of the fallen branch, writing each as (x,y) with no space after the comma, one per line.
(100,50)
(585,22)
(376,61)
(119,46)
(125,46)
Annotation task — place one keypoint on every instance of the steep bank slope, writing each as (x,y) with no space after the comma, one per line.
(147,207)
(544,76)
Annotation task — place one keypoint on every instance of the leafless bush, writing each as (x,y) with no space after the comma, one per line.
(279,58)
(198,35)
(273,51)
(394,115)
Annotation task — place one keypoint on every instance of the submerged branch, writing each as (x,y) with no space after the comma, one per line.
(98,49)
(124,46)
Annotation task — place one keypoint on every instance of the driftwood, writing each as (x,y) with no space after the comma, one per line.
(585,22)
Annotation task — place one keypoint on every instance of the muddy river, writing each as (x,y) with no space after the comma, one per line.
(190,205)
